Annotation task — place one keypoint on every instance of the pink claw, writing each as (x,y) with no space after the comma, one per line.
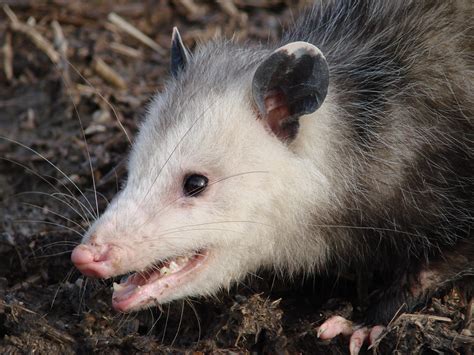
(334,326)
(338,325)
(358,338)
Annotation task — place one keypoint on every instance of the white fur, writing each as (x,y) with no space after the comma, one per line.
(260,209)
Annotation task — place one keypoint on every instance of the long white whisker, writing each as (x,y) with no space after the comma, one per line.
(49,183)
(175,148)
(49,223)
(85,141)
(209,184)
(56,214)
(49,162)
(68,275)
(189,302)
(166,324)
(107,102)
(179,324)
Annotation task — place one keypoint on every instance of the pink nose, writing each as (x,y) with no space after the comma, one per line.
(93,260)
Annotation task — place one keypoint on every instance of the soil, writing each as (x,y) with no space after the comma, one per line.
(59,119)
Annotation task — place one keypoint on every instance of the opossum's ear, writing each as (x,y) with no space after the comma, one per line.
(179,53)
(291,82)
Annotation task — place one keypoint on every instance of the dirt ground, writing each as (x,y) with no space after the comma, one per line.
(74,82)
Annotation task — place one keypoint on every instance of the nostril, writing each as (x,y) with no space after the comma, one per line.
(92,239)
(93,260)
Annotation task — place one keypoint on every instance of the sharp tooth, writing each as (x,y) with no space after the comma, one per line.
(181,260)
(117,287)
(165,270)
(173,266)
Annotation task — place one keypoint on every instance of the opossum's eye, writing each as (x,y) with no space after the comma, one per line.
(194,184)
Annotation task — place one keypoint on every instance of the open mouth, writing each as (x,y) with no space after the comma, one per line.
(142,288)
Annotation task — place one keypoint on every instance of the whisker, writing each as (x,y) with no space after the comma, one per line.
(43,179)
(190,303)
(209,184)
(56,214)
(66,83)
(82,290)
(54,244)
(197,229)
(175,148)
(48,223)
(107,102)
(51,255)
(49,162)
(335,226)
(68,275)
(179,324)
(211,223)
(166,324)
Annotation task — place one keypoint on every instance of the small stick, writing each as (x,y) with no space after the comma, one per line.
(61,44)
(8,57)
(228,6)
(59,40)
(426,316)
(40,42)
(126,50)
(135,32)
(194,11)
(108,74)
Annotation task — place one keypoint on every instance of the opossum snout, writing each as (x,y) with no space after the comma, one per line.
(95,260)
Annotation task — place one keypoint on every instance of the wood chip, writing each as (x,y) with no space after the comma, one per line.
(107,73)
(126,50)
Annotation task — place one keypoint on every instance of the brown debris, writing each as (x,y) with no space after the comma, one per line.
(134,32)
(191,10)
(126,50)
(228,6)
(108,74)
(61,44)
(41,42)
(8,56)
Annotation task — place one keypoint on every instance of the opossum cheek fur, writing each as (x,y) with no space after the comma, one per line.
(260,186)
(171,250)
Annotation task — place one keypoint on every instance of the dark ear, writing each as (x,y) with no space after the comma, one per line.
(179,54)
(291,82)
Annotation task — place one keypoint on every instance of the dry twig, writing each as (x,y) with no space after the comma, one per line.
(126,50)
(36,37)
(228,6)
(135,32)
(108,74)
(192,10)
(61,44)
(8,57)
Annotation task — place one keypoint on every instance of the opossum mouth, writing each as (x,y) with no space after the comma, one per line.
(150,286)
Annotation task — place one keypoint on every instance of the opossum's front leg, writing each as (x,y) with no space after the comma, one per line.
(412,289)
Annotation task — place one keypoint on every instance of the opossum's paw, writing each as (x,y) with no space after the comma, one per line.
(359,335)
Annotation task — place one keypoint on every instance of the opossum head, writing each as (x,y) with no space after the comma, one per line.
(215,189)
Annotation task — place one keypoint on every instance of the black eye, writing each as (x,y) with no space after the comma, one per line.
(194,184)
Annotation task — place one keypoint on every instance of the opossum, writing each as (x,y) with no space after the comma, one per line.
(346,146)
